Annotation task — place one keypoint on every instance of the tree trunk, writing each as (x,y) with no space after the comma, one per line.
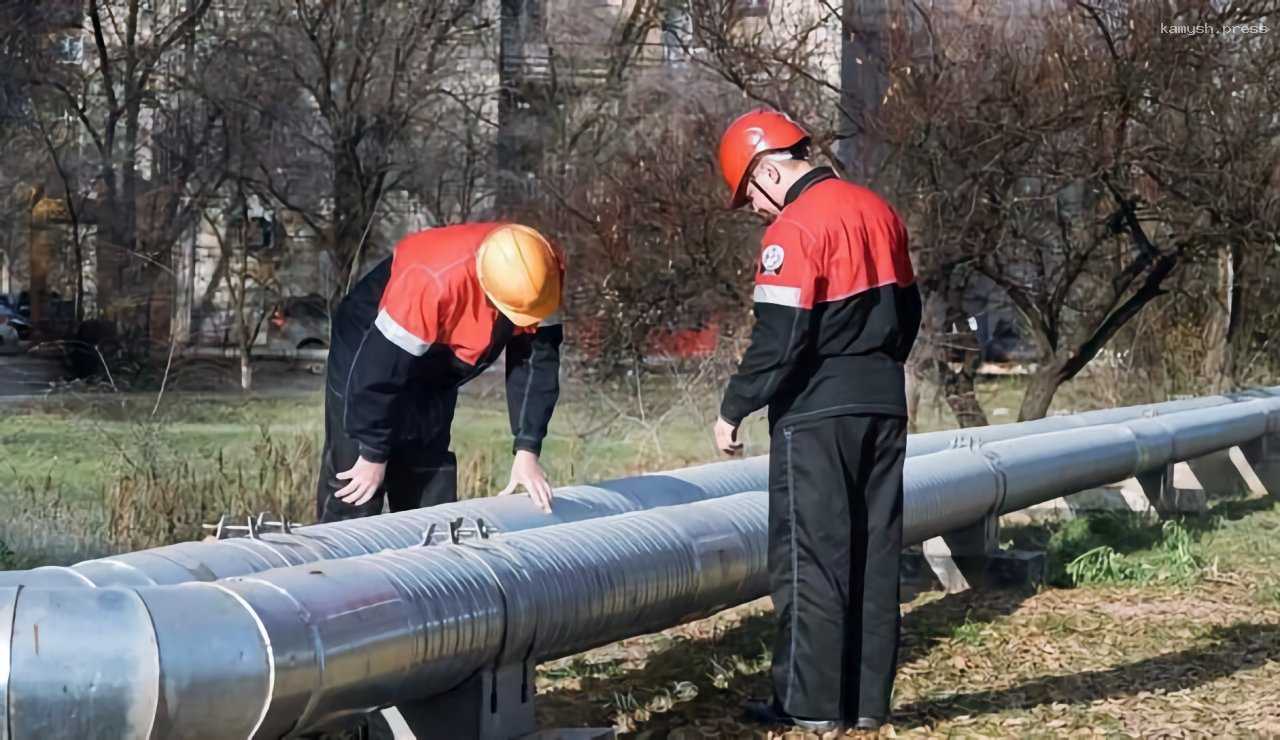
(350,216)
(1040,392)
(863,81)
(1216,367)
(524,112)
(78,242)
(108,256)
(159,304)
(915,375)
(40,253)
(246,370)
(958,388)
(962,396)
(959,391)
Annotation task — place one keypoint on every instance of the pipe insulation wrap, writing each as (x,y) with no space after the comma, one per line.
(202,561)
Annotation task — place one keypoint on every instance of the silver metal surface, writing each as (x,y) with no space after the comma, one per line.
(923,444)
(8,600)
(205,561)
(82,663)
(294,648)
(948,490)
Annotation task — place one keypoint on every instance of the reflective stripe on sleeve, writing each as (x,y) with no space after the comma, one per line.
(400,336)
(781,295)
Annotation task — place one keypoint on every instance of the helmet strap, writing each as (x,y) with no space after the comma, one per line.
(765,193)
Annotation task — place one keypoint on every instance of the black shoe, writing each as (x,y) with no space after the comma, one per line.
(769,713)
(868,723)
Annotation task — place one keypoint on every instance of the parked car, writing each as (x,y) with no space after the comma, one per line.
(10,317)
(299,322)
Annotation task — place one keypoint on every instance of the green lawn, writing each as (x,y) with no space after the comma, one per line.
(77,444)
(83,467)
(104,472)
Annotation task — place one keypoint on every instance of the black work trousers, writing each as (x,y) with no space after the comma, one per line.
(421,471)
(835,537)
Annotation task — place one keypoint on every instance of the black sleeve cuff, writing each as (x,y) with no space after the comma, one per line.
(528,445)
(729,415)
(373,455)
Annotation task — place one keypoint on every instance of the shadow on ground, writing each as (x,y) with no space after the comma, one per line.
(739,657)
(1239,647)
(1238,508)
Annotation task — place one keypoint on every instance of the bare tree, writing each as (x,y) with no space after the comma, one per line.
(623,176)
(353,90)
(1050,160)
(147,149)
(247,280)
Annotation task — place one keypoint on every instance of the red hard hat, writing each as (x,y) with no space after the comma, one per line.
(750,135)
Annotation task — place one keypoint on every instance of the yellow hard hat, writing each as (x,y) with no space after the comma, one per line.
(520,273)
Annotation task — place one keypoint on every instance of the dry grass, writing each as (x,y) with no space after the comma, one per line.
(160,499)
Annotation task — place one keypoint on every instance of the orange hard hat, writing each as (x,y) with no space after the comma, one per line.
(520,272)
(749,136)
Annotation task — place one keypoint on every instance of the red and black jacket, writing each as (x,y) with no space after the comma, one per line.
(836,307)
(416,328)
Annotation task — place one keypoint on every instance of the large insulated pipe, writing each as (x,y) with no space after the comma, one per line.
(294,648)
(946,491)
(201,561)
(923,444)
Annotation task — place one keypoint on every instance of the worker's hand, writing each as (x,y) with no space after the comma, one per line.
(365,477)
(727,438)
(526,472)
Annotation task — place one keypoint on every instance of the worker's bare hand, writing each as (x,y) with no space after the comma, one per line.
(364,479)
(727,438)
(526,472)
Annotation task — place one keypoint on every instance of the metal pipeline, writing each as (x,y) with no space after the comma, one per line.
(294,648)
(202,561)
(947,491)
(922,444)
(291,649)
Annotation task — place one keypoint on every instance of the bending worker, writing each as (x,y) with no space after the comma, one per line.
(836,313)
(422,323)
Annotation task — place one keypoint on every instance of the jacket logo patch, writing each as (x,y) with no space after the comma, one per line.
(771,259)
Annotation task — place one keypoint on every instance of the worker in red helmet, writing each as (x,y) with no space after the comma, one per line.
(428,319)
(836,314)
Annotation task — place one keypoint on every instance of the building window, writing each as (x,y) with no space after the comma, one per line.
(70,49)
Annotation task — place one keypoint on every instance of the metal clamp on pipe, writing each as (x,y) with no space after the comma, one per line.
(252,528)
(457,532)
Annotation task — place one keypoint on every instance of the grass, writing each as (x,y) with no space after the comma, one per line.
(90,475)
(76,444)
(1172,558)
(968,632)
